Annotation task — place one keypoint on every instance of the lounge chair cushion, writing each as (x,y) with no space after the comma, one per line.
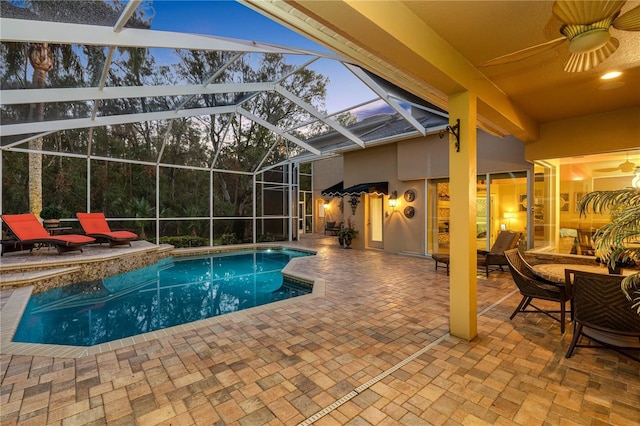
(26,227)
(95,225)
(28,230)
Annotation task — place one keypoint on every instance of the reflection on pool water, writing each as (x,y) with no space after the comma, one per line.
(171,292)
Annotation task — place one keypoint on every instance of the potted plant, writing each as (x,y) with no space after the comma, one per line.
(51,215)
(618,242)
(348,233)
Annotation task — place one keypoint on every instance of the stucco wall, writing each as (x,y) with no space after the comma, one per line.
(428,157)
(405,165)
(379,164)
(614,130)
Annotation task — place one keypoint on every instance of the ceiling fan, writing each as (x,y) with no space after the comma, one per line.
(625,167)
(586,28)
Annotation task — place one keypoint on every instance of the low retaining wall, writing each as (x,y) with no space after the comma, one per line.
(53,271)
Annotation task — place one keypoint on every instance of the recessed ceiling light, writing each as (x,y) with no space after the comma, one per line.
(610,75)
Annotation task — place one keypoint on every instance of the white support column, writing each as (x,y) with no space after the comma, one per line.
(211,207)
(293,203)
(254,220)
(462,170)
(88,184)
(89,148)
(1,180)
(157,204)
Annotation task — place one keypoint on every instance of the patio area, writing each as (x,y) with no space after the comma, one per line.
(373,350)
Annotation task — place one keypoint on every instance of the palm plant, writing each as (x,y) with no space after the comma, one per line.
(618,242)
(141,208)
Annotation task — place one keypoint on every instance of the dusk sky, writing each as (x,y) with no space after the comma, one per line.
(227,18)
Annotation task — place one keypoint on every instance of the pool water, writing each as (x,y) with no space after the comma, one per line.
(169,293)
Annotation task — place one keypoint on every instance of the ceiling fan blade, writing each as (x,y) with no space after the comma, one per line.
(585,12)
(579,62)
(524,53)
(607,169)
(629,21)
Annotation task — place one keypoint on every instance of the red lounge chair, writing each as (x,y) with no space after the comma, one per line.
(29,231)
(95,225)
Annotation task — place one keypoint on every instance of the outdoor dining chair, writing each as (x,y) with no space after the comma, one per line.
(532,287)
(603,314)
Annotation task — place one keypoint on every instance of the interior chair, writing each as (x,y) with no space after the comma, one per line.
(95,225)
(28,231)
(603,314)
(532,287)
(585,242)
(494,259)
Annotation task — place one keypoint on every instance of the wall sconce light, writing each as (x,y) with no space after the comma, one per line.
(636,179)
(354,201)
(325,205)
(393,203)
(393,200)
(509,216)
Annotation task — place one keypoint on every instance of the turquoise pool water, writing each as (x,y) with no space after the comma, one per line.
(171,292)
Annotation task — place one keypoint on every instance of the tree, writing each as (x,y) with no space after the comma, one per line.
(237,143)
(41,61)
(245,144)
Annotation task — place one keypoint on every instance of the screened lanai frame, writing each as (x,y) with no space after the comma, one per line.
(292,140)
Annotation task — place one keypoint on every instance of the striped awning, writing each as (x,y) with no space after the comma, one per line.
(334,191)
(380,188)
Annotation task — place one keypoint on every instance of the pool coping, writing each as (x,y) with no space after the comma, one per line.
(13,309)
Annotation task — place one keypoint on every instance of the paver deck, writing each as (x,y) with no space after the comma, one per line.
(374,350)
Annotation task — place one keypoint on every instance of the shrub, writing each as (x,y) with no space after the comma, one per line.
(228,238)
(268,238)
(182,241)
(51,212)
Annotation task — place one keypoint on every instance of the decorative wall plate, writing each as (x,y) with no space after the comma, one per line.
(409,212)
(409,195)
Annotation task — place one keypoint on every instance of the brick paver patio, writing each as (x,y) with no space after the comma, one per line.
(374,350)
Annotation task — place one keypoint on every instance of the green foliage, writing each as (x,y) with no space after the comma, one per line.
(619,240)
(228,238)
(185,241)
(268,238)
(140,208)
(348,233)
(51,212)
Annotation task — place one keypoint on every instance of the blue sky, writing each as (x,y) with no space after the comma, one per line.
(227,18)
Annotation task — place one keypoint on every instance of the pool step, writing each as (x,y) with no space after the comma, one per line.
(34,277)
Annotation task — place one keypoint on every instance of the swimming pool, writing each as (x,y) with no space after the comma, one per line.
(174,291)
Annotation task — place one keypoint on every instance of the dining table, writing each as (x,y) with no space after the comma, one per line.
(554,272)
